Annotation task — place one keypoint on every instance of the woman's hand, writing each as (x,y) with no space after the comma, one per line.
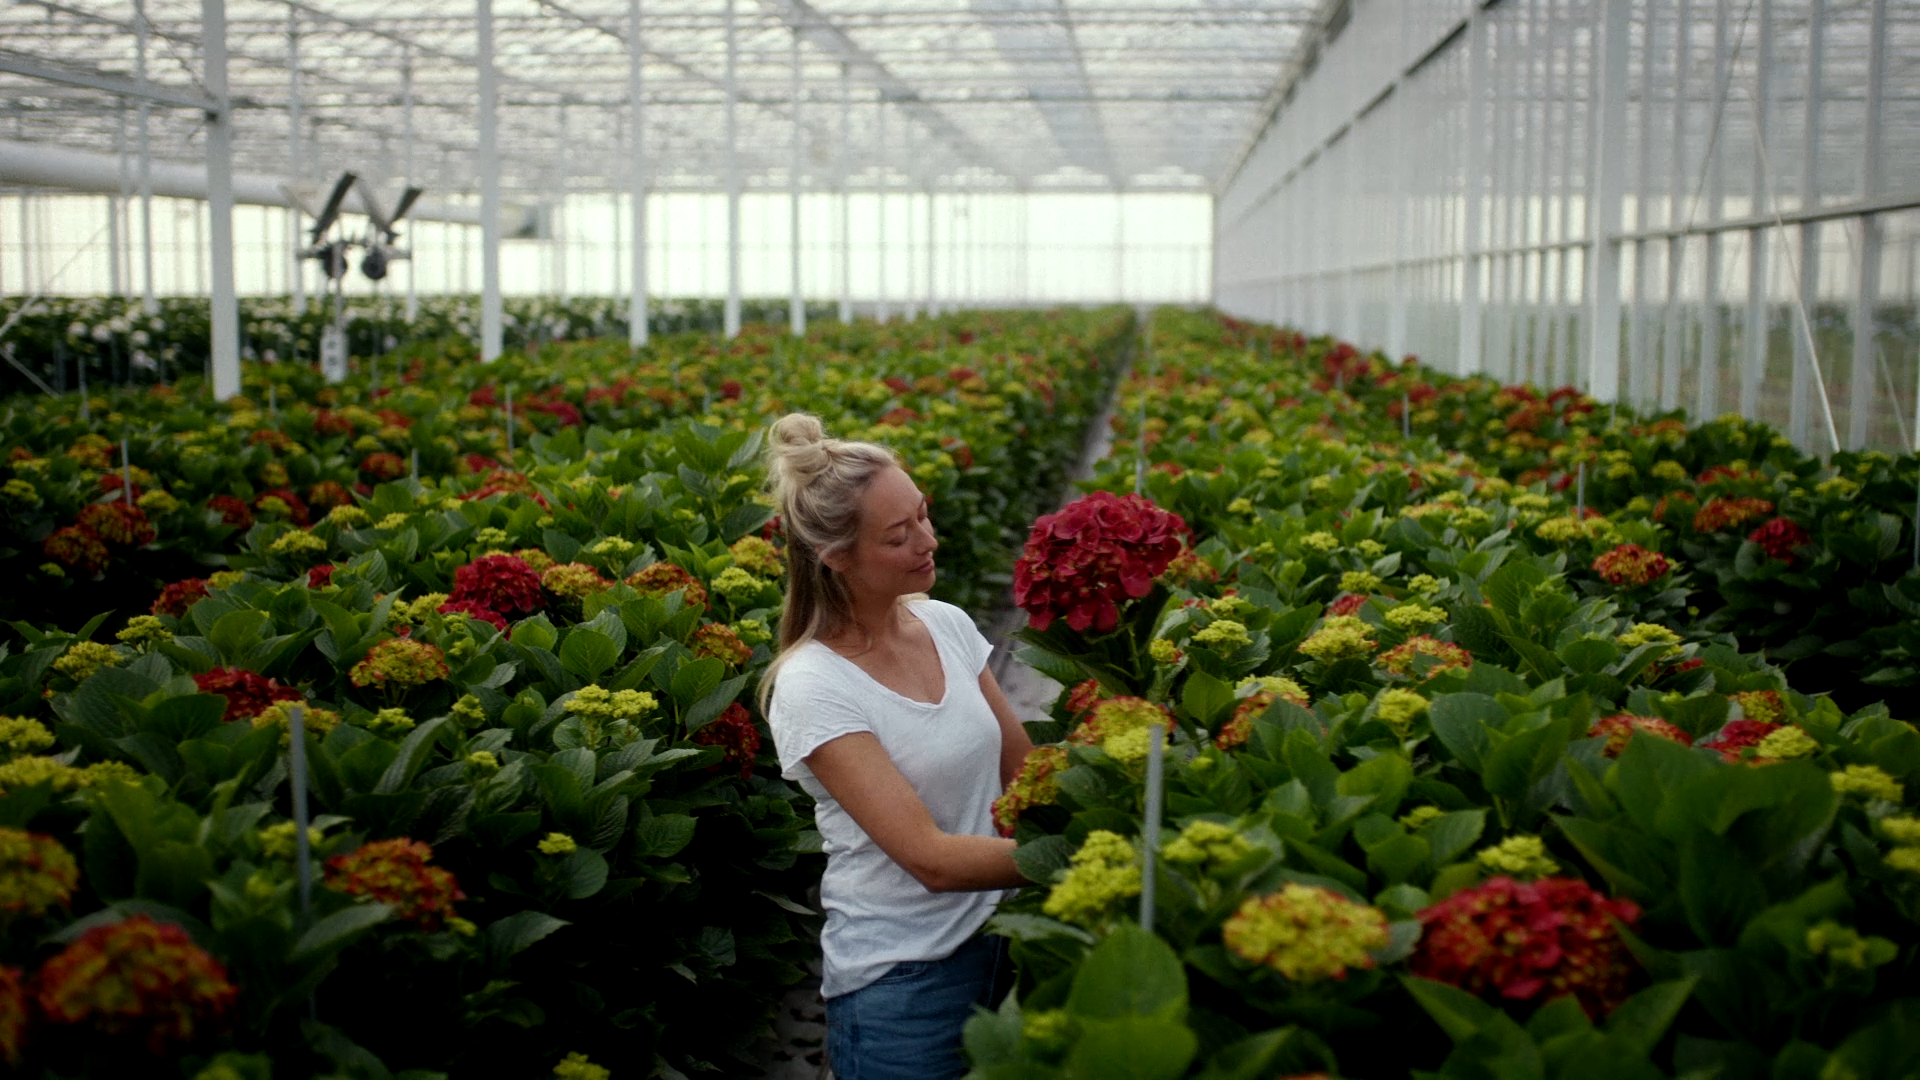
(858,772)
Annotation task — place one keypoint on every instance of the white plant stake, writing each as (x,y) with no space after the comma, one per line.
(126,473)
(1150,831)
(1406,417)
(509,425)
(1580,492)
(297,764)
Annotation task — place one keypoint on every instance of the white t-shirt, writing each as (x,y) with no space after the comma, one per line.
(877,914)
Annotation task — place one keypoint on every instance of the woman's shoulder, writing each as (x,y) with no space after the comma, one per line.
(949,616)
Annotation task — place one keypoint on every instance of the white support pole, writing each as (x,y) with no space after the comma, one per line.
(880,170)
(1604,197)
(1755,368)
(1638,350)
(933,293)
(116,205)
(1707,393)
(845,199)
(796,303)
(1397,165)
(1800,395)
(732,313)
(492,316)
(406,120)
(637,182)
(1673,339)
(224,331)
(1867,277)
(912,292)
(296,165)
(143,31)
(1469,358)
(562,181)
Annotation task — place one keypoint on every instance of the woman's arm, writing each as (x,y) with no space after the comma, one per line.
(857,771)
(1015,744)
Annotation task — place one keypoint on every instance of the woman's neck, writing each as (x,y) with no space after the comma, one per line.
(875,619)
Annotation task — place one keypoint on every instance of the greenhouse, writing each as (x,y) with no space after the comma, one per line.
(503,499)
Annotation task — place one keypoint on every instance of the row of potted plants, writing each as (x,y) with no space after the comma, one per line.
(544,823)
(1454,783)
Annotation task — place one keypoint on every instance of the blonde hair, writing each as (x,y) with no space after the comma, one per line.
(816,483)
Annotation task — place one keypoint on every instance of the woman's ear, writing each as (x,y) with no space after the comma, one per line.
(837,560)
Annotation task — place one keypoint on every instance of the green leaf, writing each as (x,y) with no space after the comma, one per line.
(1052,665)
(1458,1013)
(1460,722)
(236,633)
(413,754)
(338,930)
(663,836)
(583,873)
(1517,764)
(1133,973)
(1205,698)
(1640,1021)
(186,717)
(1253,1058)
(696,679)
(587,653)
(1038,860)
(1719,888)
(1451,834)
(508,937)
(1134,1048)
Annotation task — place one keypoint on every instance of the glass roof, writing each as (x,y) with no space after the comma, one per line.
(1020,94)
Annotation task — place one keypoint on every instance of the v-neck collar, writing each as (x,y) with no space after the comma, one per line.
(946,684)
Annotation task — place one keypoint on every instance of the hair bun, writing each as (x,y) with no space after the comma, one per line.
(797,448)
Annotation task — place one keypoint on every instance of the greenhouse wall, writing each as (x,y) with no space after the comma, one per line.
(1700,204)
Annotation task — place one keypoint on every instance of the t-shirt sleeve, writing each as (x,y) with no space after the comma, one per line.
(973,644)
(806,712)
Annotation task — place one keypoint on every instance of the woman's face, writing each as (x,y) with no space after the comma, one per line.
(894,553)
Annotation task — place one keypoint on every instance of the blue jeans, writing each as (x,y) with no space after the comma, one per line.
(907,1024)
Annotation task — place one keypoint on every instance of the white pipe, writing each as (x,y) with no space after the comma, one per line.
(796,306)
(636,108)
(492,315)
(846,202)
(732,313)
(224,356)
(148,301)
(296,163)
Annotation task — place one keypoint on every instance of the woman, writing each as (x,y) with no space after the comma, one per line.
(883,709)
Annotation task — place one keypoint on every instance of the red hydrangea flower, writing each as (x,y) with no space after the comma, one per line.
(14,1014)
(1720,514)
(328,494)
(1621,727)
(76,546)
(118,523)
(1401,659)
(734,730)
(177,597)
(383,466)
(1632,566)
(1084,696)
(1096,553)
(1239,728)
(474,611)
(662,578)
(500,583)
(730,390)
(232,510)
(248,694)
(719,641)
(395,872)
(506,482)
(1737,735)
(329,422)
(1346,604)
(1532,941)
(321,576)
(296,507)
(1779,537)
(140,978)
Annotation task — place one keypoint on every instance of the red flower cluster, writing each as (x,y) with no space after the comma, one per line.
(473,610)
(1346,604)
(1620,727)
(1084,696)
(117,523)
(1239,728)
(1779,537)
(734,730)
(719,641)
(1631,566)
(395,872)
(248,694)
(1085,560)
(383,466)
(296,507)
(1401,659)
(1737,735)
(1531,941)
(328,494)
(319,577)
(178,596)
(662,578)
(506,482)
(504,584)
(13,1015)
(232,510)
(1721,514)
(140,978)
(329,422)
(75,546)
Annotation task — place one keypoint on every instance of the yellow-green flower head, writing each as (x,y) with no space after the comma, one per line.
(1565,530)
(1420,815)
(1900,830)
(737,585)
(282,841)
(1224,635)
(1049,1029)
(348,516)
(575,581)
(1207,844)
(1103,874)
(20,492)
(483,763)
(1650,634)
(36,873)
(490,537)
(1277,685)
(1838,487)
(1905,859)
(1320,541)
(1529,500)
(1228,607)
(297,543)
(1370,549)
(1870,781)
(389,722)
(225,579)
(1415,616)
(1163,651)
(1241,505)
(1844,947)
(83,658)
(757,556)
(1398,709)
(1305,933)
(469,711)
(752,632)
(612,545)
(1359,581)
(576,1067)
(158,503)
(144,629)
(558,843)
(1522,857)
(393,521)
(1671,471)
(1786,742)
(20,735)
(1424,584)
(400,662)
(419,609)
(1339,638)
